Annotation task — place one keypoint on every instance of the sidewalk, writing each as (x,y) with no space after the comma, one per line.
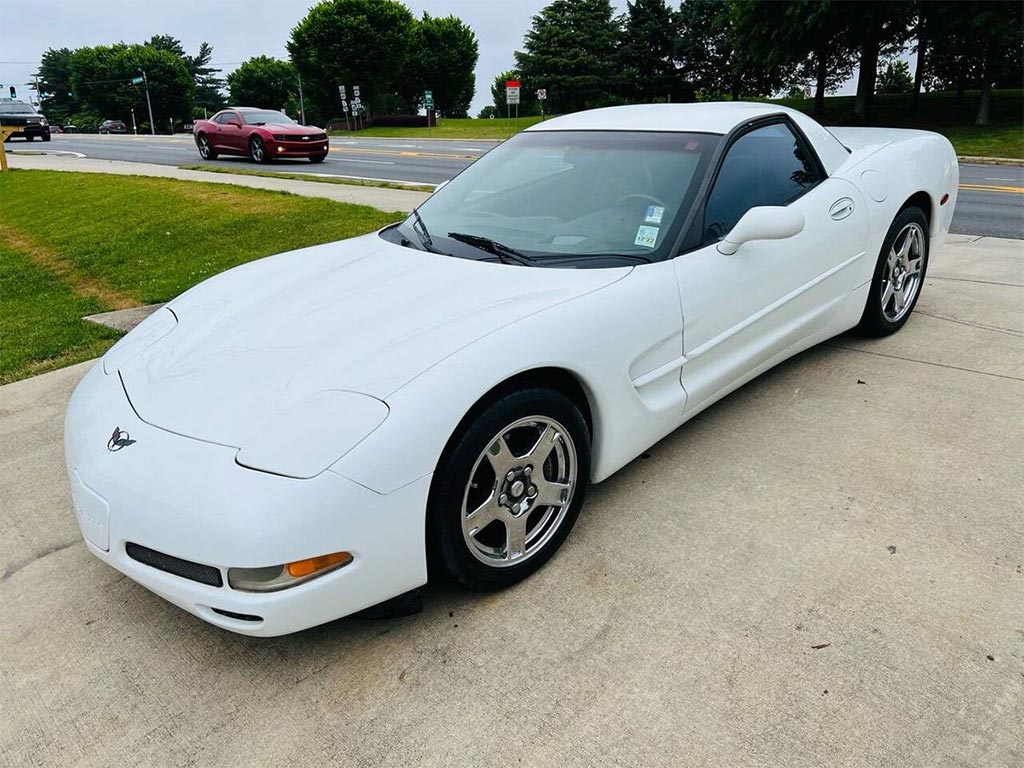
(377,197)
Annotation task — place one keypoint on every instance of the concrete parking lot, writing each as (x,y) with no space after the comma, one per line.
(826,568)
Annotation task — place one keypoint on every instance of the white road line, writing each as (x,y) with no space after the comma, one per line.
(167,149)
(994,178)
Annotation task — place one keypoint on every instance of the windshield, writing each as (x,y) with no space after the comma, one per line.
(265,116)
(571,195)
(16,108)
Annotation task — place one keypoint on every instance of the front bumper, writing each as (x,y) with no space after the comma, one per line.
(278,148)
(33,129)
(189,499)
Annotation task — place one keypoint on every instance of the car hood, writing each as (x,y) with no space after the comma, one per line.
(292,128)
(361,315)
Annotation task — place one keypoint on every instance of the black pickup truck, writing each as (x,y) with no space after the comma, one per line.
(23,116)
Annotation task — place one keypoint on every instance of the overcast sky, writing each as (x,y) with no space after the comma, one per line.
(237,29)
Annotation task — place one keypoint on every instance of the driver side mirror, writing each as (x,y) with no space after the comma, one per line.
(766,222)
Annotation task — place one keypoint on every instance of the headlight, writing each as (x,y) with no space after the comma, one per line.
(42,121)
(306,439)
(280,136)
(277,577)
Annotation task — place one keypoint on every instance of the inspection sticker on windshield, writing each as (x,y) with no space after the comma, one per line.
(646,236)
(654,214)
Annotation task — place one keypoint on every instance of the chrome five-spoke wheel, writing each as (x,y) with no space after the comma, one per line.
(509,486)
(519,490)
(901,278)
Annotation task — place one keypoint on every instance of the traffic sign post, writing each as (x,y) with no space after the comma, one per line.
(344,106)
(512,97)
(428,105)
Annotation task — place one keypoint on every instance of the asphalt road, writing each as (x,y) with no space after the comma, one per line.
(991,199)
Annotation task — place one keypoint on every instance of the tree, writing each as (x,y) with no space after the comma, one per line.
(54,78)
(876,27)
(167,43)
(353,42)
(647,50)
(262,81)
(569,50)
(895,78)
(100,78)
(703,47)
(442,61)
(208,85)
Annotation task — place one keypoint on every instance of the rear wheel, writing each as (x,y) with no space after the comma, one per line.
(899,274)
(509,489)
(206,150)
(258,150)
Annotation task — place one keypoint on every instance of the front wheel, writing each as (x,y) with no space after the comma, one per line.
(46,137)
(206,150)
(509,489)
(318,158)
(899,274)
(258,150)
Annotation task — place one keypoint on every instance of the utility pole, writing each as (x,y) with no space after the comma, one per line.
(302,105)
(135,129)
(149,104)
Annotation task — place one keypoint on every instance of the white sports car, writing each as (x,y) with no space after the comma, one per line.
(314,433)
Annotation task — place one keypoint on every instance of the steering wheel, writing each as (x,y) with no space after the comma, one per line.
(641,196)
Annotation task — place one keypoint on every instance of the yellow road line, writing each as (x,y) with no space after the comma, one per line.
(993,188)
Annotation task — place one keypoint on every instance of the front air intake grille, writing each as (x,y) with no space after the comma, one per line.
(204,574)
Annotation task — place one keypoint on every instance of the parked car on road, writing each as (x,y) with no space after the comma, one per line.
(261,134)
(310,434)
(113,126)
(15,113)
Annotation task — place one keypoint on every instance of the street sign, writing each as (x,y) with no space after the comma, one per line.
(344,105)
(136,81)
(542,94)
(512,94)
(428,99)
(355,91)
(341,92)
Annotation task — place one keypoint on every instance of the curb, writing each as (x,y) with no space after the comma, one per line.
(981,160)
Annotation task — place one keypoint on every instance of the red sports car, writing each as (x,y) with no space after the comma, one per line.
(262,134)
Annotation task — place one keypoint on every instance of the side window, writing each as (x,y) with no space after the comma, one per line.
(223,117)
(767,166)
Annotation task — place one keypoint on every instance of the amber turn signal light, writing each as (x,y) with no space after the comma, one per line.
(307,567)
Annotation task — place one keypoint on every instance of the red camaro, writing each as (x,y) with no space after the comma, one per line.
(262,134)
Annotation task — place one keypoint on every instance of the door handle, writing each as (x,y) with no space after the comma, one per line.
(841,208)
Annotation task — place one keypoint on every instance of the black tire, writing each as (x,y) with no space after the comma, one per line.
(449,553)
(874,321)
(206,150)
(318,158)
(258,150)
(46,136)
(29,137)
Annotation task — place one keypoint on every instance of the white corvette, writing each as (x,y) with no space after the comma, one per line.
(313,433)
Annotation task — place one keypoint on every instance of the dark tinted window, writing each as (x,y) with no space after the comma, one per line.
(767,166)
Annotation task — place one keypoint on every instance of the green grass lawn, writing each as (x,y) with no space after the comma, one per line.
(938,112)
(73,244)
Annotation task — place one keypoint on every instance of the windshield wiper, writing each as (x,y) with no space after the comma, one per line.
(639,257)
(505,254)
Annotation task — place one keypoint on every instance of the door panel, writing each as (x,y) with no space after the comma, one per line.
(744,309)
